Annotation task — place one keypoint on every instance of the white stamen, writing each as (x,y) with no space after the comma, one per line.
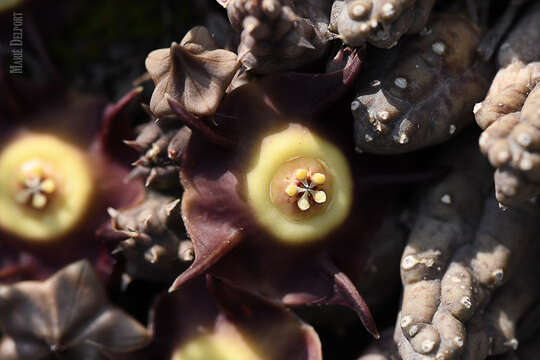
(303,202)
(39,201)
(319,197)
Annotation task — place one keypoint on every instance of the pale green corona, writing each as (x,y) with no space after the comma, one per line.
(45,187)
(216,347)
(300,187)
(8,4)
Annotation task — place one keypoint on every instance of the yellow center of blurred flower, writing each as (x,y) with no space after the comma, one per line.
(300,187)
(45,187)
(8,4)
(216,347)
(37,184)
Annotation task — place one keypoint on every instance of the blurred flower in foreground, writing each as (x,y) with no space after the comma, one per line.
(65,317)
(56,180)
(224,323)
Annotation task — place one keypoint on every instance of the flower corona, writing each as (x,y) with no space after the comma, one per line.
(45,187)
(300,187)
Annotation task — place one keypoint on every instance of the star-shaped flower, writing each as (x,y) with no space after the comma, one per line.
(65,317)
(56,181)
(195,73)
(236,204)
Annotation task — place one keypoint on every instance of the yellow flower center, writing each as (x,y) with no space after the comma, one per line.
(36,184)
(225,345)
(46,187)
(300,187)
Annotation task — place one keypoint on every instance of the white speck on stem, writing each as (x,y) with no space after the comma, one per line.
(446,199)
(403,139)
(405,321)
(388,10)
(438,47)
(427,346)
(466,302)
(498,275)
(383,115)
(512,343)
(413,330)
(359,10)
(425,31)
(526,164)
(477,108)
(524,139)
(400,82)
(409,262)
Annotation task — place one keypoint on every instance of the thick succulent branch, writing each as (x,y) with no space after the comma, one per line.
(278,35)
(509,115)
(461,249)
(379,22)
(420,93)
